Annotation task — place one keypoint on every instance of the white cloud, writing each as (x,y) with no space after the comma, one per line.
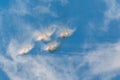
(41,9)
(19,7)
(0,22)
(64,2)
(38,68)
(104,61)
(113,9)
(24,68)
(112,12)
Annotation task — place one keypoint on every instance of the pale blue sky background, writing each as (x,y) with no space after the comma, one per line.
(91,53)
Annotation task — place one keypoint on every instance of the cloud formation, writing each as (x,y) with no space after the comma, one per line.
(20,7)
(112,12)
(102,61)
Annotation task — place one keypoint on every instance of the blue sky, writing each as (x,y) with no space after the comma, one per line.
(91,52)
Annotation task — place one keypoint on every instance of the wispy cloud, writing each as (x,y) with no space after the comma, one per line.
(104,61)
(101,61)
(0,22)
(39,67)
(28,68)
(64,2)
(44,10)
(19,7)
(112,12)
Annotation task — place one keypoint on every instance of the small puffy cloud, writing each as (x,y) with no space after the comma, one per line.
(43,9)
(39,67)
(21,8)
(24,68)
(0,22)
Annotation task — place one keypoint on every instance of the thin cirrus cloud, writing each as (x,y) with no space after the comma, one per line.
(102,61)
(44,34)
(45,10)
(28,70)
(38,67)
(20,7)
(112,12)
(113,9)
